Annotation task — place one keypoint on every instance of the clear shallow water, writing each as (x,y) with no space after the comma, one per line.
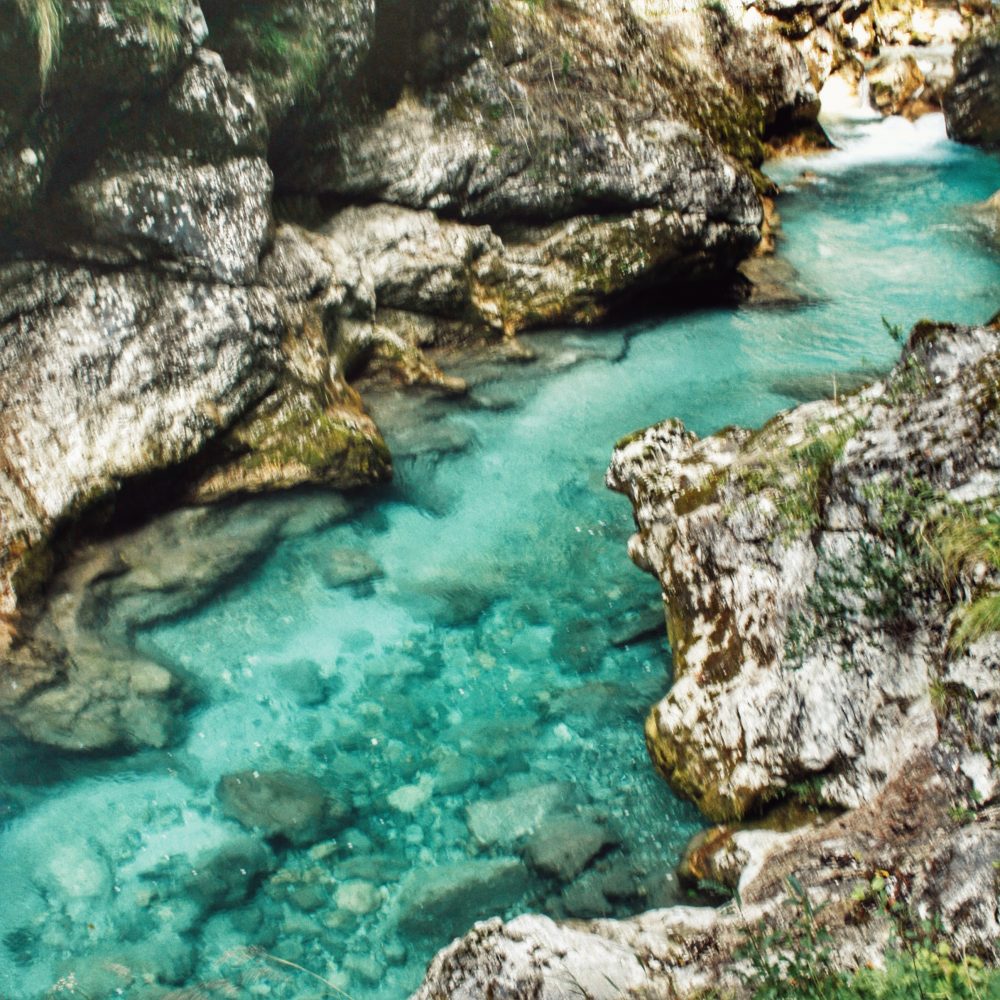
(480,664)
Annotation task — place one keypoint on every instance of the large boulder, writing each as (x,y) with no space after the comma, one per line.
(808,627)
(820,661)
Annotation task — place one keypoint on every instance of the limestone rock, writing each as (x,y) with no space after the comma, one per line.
(295,807)
(205,218)
(751,651)
(184,358)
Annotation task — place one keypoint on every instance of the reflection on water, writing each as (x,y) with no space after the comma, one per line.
(430,710)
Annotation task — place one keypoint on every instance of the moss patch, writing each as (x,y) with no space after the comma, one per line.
(298,437)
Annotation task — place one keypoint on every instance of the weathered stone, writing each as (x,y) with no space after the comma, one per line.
(749,652)
(502,822)
(562,846)
(201,218)
(442,901)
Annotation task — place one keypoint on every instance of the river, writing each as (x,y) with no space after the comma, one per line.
(474,634)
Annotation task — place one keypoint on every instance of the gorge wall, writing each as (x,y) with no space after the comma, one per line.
(214,217)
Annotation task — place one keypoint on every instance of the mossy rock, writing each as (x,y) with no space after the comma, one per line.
(295,438)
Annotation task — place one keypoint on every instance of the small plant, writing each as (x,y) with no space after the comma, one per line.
(159,19)
(799,962)
(809,793)
(908,380)
(795,961)
(800,477)
(895,330)
(966,538)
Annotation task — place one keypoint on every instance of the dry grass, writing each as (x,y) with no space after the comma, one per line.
(45,18)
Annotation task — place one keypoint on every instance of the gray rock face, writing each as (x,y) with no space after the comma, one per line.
(85,409)
(972,102)
(790,586)
(208,218)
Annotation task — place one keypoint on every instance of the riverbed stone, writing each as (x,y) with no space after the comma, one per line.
(302,680)
(342,567)
(562,846)
(226,876)
(295,807)
(502,822)
(443,900)
(580,644)
(358,897)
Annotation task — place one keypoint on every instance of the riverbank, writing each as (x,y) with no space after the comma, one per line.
(468,623)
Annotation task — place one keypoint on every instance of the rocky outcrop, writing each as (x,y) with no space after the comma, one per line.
(808,625)
(972,103)
(898,57)
(823,577)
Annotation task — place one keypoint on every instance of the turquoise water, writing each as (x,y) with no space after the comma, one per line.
(466,637)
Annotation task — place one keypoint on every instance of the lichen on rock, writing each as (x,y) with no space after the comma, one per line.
(808,626)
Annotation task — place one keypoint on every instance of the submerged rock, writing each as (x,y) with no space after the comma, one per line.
(502,822)
(294,807)
(562,846)
(225,877)
(442,901)
(343,567)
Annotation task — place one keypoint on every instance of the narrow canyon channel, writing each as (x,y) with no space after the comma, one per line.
(443,683)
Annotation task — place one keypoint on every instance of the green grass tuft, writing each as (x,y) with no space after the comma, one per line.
(160,19)
(980,618)
(966,538)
